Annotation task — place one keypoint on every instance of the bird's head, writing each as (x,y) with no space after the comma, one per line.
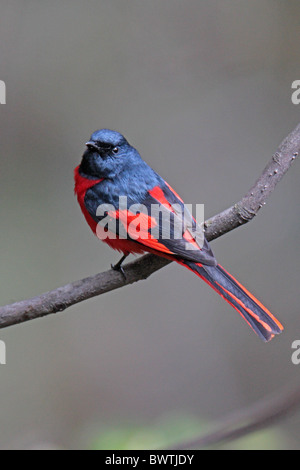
(107,153)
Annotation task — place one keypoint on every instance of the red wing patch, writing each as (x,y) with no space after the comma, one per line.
(158,194)
(137,227)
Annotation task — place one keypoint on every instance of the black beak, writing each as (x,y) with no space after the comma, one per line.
(92,145)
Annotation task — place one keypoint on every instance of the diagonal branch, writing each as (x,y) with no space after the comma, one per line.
(261,414)
(240,213)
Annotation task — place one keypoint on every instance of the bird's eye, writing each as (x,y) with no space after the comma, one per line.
(115,150)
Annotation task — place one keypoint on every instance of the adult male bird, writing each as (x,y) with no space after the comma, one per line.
(114,186)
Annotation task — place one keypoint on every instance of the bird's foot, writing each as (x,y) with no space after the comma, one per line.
(118,266)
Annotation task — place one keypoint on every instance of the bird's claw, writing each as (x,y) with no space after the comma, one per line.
(118,267)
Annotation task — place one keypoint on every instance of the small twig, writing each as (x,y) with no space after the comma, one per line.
(61,298)
(258,416)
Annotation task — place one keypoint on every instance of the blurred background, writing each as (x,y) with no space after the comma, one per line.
(203,90)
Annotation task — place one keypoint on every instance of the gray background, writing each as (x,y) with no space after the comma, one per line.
(203,90)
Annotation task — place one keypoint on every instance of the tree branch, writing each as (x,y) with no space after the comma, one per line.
(240,213)
(261,414)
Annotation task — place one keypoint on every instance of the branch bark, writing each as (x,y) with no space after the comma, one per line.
(240,213)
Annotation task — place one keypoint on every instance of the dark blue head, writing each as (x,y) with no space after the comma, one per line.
(108,153)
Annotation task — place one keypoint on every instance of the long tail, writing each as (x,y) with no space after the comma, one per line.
(256,315)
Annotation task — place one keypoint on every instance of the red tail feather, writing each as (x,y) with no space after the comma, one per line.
(252,310)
